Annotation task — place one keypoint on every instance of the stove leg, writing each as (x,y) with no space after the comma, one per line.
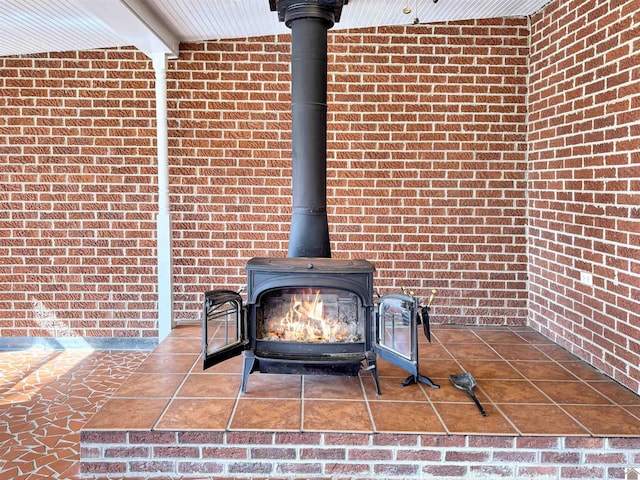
(411,379)
(372,367)
(247,367)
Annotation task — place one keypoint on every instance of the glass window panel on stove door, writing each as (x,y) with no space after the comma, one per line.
(396,331)
(223,334)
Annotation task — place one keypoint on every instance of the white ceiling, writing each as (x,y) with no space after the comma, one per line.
(156,26)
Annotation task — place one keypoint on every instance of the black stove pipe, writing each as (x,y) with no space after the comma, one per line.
(309,22)
(309,231)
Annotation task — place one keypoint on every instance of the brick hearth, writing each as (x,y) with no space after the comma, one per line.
(549,416)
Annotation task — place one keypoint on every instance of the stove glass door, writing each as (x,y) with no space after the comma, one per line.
(223,327)
(396,336)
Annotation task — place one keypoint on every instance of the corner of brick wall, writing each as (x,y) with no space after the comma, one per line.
(584,151)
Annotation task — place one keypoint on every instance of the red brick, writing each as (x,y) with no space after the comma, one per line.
(376,454)
(102,437)
(337,469)
(251,467)
(560,457)
(582,472)
(176,452)
(151,466)
(273,453)
(299,438)
(249,438)
(224,452)
(465,456)
(323,453)
(103,467)
(492,471)
(442,441)
(455,471)
(127,452)
(537,442)
(298,468)
(395,469)
(199,467)
(423,455)
(393,439)
(347,439)
(490,442)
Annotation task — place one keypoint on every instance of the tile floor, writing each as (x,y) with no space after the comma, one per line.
(46,397)
(527,384)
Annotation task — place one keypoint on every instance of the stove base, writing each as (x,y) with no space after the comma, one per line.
(345,364)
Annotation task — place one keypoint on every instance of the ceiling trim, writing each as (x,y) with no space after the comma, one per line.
(137,23)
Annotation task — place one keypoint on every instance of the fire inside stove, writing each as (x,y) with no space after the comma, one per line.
(311,316)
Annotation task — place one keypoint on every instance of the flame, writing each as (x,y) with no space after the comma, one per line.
(305,321)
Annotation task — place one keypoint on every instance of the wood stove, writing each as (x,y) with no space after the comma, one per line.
(309,313)
(311,316)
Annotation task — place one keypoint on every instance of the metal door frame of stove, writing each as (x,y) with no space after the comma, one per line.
(396,323)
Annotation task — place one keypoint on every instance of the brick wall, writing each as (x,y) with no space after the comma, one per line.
(77,195)
(426,161)
(584,181)
(426,173)
(351,456)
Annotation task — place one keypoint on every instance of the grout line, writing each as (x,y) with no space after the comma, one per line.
(374,429)
(302,402)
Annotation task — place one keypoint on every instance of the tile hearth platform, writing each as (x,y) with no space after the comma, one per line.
(549,415)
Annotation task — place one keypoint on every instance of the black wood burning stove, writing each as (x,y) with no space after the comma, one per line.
(310,314)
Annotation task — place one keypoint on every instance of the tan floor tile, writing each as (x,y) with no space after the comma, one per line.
(512,391)
(584,371)
(179,345)
(572,393)
(399,417)
(465,418)
(196,414)
(149,385)
(331,387)
(267,414)
(520,352)
(557,353)
(454,335)
(127,414)
(615,392)
(336,416)
(490,369)
(187,330)
(274,386)
(450,394)
(232,365)
(499,337)
(212,386)
(606,420)
(633,411)
(541,420)
(436,369)
(176,363)
(472,351)
(392,390)
(534,337)
(433,351)
(542,370)
(388,369)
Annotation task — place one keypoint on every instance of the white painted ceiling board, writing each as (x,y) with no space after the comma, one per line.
(34,26)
